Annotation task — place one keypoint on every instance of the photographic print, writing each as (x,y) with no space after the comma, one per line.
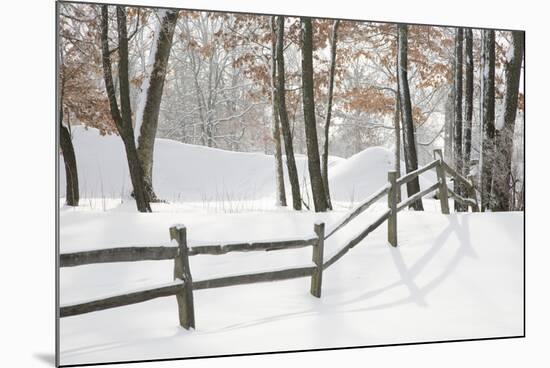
(237,183)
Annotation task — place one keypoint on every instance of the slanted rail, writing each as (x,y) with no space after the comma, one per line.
(179,250)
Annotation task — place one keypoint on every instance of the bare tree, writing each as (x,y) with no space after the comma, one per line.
(279,175)
(324,166)
(503,183)
(411,160)
(449,124)
(313,162)
(72,193)
(468,97)
(457,142)
(397,126)
(488,117)
(122,117)
(148,110)
(283,115)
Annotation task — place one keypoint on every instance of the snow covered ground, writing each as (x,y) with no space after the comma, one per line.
(209,176)
(458,276)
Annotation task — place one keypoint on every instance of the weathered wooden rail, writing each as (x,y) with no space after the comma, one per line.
(183,285)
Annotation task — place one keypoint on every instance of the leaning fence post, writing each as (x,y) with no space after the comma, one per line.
(392,205)
(443,193)
(182,271)
(317,258)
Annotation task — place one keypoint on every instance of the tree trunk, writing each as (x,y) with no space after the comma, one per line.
(123,117)
(502,182)
(411,160)
(468,98)
(324,167)
(313,160)
(449,124)
(72,194)
(283,115)
(148,110)
(457,143)
(488,117)
(397,130)
(279,175)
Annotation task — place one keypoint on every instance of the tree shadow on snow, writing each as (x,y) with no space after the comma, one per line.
(408,274)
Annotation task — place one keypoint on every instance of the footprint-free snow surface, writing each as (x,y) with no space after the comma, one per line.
(186,172)
(457,276)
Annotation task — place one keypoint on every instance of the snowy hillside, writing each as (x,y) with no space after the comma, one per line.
(365,172)
(185,172)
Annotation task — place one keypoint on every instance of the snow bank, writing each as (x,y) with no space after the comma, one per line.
(185,172)
(365,173)
(180,172)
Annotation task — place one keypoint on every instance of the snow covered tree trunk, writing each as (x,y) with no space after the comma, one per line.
(409,142)
(488,117)
(468,98)
(397,131)
(397,126)
(122,117)
(72,194)
(313,160)
(448,130)
(502,183)
(149,106)
(279,175)
(324,167)
(283,115)
(457,142)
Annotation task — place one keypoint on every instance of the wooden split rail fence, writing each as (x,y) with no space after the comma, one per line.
(183,285)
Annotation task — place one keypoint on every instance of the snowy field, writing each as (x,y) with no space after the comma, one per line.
(458,276)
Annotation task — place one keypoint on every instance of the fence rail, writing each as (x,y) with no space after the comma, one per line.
(359,209)
(122,299)
(284,274)
(183,285)
(251,246)
(122,254)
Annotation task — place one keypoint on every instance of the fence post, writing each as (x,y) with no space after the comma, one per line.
(317,258)
(182,271)
(392,205)
(443,193)
(472,193)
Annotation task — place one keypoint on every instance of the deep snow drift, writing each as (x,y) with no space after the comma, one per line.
(185,172)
